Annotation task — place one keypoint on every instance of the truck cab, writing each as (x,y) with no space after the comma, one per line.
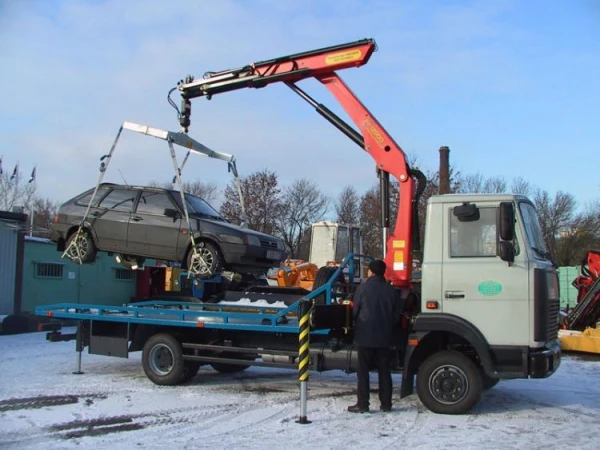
(487,284)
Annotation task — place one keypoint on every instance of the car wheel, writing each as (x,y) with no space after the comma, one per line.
(206,261)
(81,248)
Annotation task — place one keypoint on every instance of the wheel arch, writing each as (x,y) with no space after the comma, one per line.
(434,332)
(200,238)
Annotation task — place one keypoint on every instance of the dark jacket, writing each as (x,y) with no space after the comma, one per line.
(377,310)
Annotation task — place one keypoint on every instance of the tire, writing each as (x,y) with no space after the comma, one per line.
(84,250)
(190,370)
(321,277)
(449,383)
(489,382)
(211,255)
(162,360)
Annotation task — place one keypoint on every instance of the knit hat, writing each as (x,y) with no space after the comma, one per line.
(377,266)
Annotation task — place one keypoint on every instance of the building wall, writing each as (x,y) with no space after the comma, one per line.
(8,266)
(48,278)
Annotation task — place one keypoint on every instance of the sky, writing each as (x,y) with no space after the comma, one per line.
(511,87)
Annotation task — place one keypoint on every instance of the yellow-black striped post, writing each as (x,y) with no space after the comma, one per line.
(303,355)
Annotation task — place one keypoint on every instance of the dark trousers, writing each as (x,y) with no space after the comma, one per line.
(370,358)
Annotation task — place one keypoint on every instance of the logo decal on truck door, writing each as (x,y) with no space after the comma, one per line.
(489,288)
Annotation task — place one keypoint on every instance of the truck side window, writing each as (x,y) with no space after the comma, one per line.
(474,239)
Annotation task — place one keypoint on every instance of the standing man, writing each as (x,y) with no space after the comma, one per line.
(377,311)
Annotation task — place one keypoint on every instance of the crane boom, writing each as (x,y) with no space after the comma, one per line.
(389,157)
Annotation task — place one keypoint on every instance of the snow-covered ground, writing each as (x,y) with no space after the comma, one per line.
(114,406)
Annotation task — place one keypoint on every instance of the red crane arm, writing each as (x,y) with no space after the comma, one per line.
(322,64)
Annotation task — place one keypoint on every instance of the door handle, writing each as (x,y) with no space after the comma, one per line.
(136,218)
(455,294)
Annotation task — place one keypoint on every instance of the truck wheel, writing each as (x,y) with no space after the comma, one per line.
(449,383)
(162,360)
(190,370)
(83,250)
(211,261)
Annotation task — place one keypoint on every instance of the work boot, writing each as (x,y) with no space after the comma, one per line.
(385,408)
(358,409)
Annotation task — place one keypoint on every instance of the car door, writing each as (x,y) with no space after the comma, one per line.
(154,230)
(111,219)
(477,285)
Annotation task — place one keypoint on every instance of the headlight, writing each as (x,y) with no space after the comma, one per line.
(252,240)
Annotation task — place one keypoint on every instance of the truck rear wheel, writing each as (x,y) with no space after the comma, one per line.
(449,383)
(162,360)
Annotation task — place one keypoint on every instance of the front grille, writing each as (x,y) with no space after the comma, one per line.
(267,243)
(546,306)
(552,325)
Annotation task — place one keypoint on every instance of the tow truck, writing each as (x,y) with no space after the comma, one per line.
(485,307)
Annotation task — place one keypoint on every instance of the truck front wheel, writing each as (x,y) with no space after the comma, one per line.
(449,383)
(162,360)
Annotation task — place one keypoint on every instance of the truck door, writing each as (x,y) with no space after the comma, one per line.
(480,287)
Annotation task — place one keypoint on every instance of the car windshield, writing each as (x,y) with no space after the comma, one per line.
(532,229)
(196,205)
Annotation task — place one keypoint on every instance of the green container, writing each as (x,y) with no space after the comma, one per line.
(568,293)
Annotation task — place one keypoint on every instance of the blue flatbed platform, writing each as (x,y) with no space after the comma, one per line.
(243,317)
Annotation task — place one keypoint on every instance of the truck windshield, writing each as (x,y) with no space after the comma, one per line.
(533,230)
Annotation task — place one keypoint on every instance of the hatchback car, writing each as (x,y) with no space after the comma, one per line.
(138,222)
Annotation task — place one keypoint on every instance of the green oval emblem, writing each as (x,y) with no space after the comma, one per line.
(489,288)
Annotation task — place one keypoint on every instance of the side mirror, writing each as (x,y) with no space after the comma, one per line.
(507,221)
(467,212)
(507,251)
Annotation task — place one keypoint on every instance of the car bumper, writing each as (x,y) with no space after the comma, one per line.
(545,361)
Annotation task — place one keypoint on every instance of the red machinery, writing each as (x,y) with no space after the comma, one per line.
(587,311)
(322,65)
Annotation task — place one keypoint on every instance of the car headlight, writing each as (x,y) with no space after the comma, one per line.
(252,240)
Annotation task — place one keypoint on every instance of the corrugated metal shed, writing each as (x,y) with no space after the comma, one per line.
(8,266)
(10,259)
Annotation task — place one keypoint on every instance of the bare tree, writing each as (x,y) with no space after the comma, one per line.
(303,204)
(555,216)
(15,191)
(44,211)
(347,207)
(370,222)
(476,183)
(262,201)
(582,235)
(521,186)
(206,190)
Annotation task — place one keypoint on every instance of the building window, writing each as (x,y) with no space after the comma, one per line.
(124,274)
(48,270)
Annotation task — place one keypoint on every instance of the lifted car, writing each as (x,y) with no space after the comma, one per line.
(138,222)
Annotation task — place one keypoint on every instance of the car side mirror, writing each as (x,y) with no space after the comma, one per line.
(507,251)
(507,221)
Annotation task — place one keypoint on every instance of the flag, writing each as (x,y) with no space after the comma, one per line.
(32,174)
(15,172)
